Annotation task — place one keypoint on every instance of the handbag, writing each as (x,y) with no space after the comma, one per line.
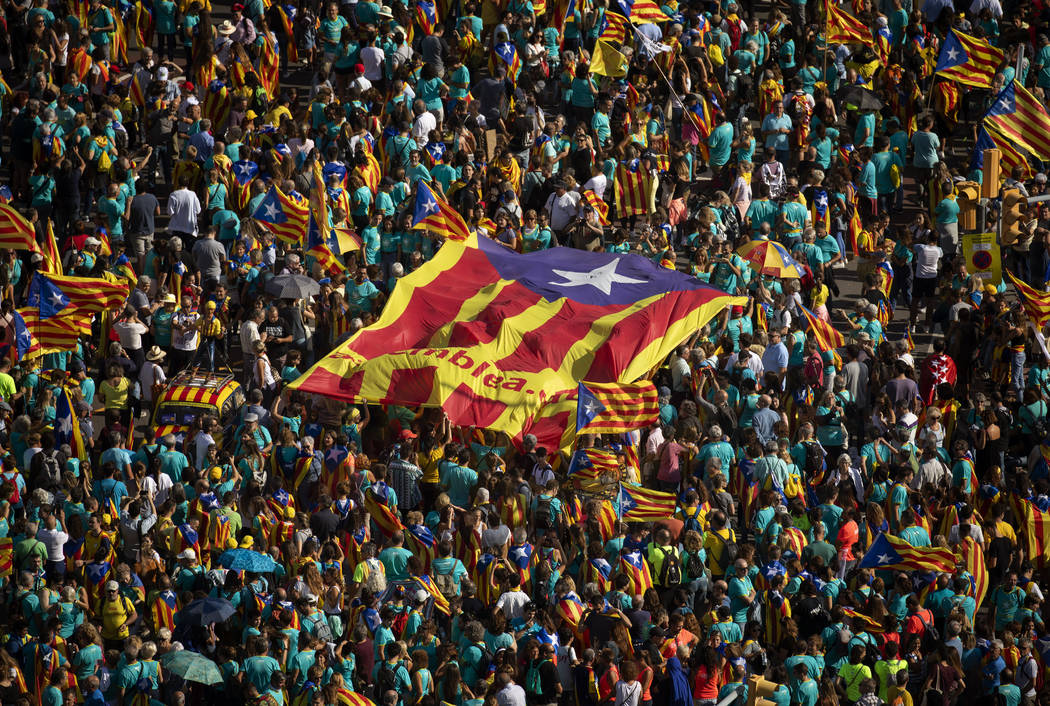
(934,696)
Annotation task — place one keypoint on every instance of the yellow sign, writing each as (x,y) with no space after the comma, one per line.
(983,258)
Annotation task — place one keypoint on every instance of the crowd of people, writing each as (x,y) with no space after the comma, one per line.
(307,551)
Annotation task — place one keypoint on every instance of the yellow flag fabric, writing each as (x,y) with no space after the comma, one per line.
(606,61)
(500,340)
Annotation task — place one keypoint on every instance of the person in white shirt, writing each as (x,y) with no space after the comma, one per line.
(249,334)
(184,334)
(563,207)
(54,539)
(151,373)
(373,59)
(425,122)
(512,603)
(184,208)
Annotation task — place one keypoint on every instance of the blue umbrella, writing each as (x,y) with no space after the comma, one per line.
(206,611)
(247,560)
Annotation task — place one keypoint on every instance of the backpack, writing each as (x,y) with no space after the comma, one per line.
(543,515)
(694,565)
(16,496)
(49,473)
(692,524)
(671,570)
(399,623)
(533,683)
(446,583)
(932,637)
(142,685)
(386,680)
(323,631)
(814,459)
(486,661)
(730,551)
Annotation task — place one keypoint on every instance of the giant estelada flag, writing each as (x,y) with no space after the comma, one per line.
(501,340)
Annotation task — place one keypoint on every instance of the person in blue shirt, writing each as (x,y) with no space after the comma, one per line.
(776,131)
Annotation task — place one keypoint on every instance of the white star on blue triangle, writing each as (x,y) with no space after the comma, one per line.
(587,407)
(880,553)
(426,204)
(1005,103)
(23,339)
(627,502)
(270,209)
(44,294)
(952,53)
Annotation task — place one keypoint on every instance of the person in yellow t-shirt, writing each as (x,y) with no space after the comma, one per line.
(430,461)
(117,614)
(715,544)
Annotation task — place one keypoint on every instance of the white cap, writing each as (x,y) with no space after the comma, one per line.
(162,73)
(188,554)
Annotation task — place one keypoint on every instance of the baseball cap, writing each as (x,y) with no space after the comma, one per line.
(188,85)
(187,554)
(112,586)
(408,434)
(251,417)
(215,473)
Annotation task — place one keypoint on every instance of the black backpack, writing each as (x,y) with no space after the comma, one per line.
(814,460)
(49,473)
(730,552)
(386,680)
(486,660)
(671,570)
(543,515)
(931,639)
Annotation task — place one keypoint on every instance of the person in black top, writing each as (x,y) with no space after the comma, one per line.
(276,334)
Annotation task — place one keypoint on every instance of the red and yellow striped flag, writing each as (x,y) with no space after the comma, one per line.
(16,233)
(636,569)
(638,504)
(95,294)
(1011,157)
(613,28)
(1035,525)
(844,28)
(1020,117)
(386,519)
(435,214)
(968,60)
(270,67)
(81,63)
(890,552)
(973,557)
(862,622)
(632,190)
(828,338)
(1036,303)
(52,258)
(614,408)
(56,334)
(587,465)
(641,12)
(599,206)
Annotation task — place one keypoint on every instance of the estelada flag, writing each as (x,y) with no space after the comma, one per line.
(588,465)
(614,408)
(385,518)
(1036,303)
(500,340)
(435,214)
(638,504)
(91,294)
(641,11)
(968,60)
(613,28)
(285,215)
(634,566)
(1019,117)
(889,552)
